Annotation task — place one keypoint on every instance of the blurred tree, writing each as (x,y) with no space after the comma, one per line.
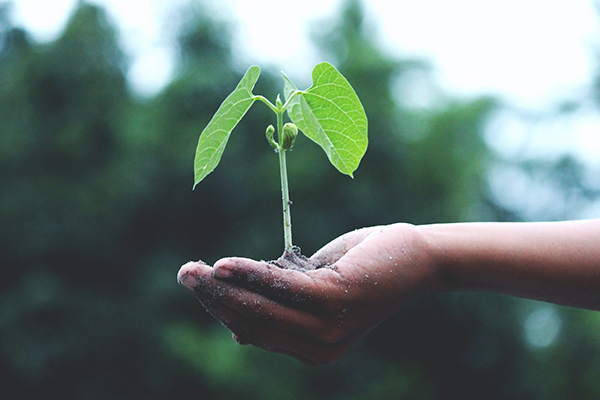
(61,107)
(73,323)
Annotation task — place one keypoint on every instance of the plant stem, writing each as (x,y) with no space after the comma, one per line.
(285,195)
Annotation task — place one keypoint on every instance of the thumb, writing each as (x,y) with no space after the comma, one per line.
(337,248)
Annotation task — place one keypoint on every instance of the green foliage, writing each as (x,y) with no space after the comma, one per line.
(214,137)
(331,115)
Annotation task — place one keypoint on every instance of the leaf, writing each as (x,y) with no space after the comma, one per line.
(214,137)
(330,114)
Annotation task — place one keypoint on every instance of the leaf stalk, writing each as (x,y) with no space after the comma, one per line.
(267,102)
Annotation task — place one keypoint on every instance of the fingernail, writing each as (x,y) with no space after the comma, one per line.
(187,276)
(222,273)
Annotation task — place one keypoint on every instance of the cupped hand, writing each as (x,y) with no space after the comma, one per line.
(317,315)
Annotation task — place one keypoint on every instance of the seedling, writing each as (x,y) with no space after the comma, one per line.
(329,113)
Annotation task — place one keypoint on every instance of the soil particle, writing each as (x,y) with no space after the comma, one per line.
(296,260)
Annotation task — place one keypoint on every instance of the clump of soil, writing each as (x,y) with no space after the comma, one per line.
(296,260)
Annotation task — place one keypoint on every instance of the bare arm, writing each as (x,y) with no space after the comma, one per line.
(558,262)
(316,316)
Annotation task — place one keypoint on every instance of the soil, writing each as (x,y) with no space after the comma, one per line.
(296,260)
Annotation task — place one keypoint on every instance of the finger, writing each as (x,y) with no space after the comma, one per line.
(229,317)
(255,319)
(249,331)
(198,277)
(285,285)
(319,324)
(300,319)
(307,349)
(192,272)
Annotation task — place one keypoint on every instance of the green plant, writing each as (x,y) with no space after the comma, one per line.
(329,113)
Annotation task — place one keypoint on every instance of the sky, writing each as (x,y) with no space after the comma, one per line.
(532,53)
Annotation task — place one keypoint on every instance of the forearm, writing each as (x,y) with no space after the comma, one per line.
(558,262)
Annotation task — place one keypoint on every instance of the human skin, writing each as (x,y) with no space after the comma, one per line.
(316,316)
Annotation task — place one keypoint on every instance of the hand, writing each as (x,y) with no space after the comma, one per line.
(316,316)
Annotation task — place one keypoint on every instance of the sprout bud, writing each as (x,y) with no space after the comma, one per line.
(288,136)
(269,133)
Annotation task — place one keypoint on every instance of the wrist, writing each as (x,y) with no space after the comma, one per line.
(417,250)
(435,243)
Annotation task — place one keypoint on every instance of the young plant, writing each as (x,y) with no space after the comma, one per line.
(329,113)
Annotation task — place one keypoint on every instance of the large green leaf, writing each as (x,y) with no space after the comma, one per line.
(331,115)
(214,137)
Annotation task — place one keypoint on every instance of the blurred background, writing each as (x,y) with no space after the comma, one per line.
(99,119)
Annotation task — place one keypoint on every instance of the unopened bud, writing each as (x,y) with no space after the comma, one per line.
(269,133)
(288,136)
